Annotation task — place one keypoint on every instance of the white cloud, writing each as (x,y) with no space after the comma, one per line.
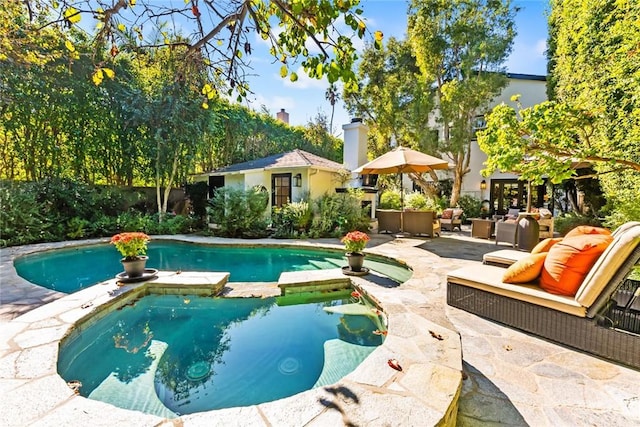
(273,103)
(541,47)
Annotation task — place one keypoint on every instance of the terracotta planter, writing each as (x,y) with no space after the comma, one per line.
(135,267)
(356,260)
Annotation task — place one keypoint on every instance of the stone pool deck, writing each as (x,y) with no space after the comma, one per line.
(509,377)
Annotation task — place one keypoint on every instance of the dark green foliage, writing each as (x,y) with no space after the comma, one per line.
(197,193)
(471,207)
(62,209)
(337,214)
(292,220)
(565,223)
(238,212)
(21,220)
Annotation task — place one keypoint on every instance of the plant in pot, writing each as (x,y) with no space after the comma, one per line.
(133,247)
(354,243)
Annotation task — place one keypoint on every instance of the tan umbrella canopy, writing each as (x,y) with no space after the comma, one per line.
(402,160)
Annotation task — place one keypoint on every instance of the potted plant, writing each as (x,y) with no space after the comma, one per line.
(133,247)
(354,243)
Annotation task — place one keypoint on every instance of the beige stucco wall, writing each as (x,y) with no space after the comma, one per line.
(531,92)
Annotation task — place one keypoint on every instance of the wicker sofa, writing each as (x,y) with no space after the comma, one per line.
(587,321)
(421,223)
(388,220)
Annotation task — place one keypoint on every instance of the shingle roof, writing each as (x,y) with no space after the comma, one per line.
(292,159)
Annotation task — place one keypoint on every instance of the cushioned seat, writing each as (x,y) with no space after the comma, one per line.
(451,219)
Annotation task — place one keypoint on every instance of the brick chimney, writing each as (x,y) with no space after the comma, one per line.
(283,116)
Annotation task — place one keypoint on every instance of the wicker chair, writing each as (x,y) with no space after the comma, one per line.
(591,321)
(451,218)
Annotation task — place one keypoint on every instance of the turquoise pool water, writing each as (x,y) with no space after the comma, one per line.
(170,355)
(69,270)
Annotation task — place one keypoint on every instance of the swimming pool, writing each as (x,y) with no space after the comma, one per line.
(71,269)
(169,355)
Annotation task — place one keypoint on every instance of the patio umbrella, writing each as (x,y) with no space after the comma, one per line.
(402,160)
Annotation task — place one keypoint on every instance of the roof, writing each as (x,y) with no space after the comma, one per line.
(292,159)
(517,76)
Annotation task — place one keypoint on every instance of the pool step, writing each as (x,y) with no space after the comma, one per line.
(190,282)
(139,393)
(315,280)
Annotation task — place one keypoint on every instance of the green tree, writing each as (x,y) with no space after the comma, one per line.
(172,119)
(393,101)
(460,46)
(595,112)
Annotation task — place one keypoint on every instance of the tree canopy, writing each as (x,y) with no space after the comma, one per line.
(425,92)
(594,114)
(214,35)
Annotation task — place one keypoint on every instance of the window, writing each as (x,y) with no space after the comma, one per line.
(281,189)
(215,182)
(479,123)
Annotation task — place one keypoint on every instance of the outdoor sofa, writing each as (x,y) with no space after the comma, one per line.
(589,321)
(417,223)
(421,223)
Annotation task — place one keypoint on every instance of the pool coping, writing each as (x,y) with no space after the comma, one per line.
(425,392)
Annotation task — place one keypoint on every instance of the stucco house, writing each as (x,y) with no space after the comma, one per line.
(298,174)
(502,188)
(288,177)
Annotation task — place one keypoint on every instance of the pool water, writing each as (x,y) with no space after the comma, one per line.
(170,355)
(72,269)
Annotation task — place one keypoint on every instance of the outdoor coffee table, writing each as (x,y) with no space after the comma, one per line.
(482,228)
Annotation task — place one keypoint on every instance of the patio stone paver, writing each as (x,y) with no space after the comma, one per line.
(512,378)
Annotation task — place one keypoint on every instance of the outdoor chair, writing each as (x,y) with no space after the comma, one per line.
(420,223)
(590,321)
(507,231)
(388,220)
(451,219)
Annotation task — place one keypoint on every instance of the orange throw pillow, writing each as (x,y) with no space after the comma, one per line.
(569,261)
(545,245)
(525,270)
(586,229)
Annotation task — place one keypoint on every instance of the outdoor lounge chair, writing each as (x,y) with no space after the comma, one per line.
(587,321)
(451,218)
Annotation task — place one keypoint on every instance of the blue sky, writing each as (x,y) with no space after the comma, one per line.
(304,98)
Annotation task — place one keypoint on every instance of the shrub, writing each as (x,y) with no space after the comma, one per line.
(292,220)
(390,199)
(239,213)
(337,214)
(21,220)
(420,201)
(471,206)
(564,223)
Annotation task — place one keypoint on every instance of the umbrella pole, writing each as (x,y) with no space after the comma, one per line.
(401,206)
